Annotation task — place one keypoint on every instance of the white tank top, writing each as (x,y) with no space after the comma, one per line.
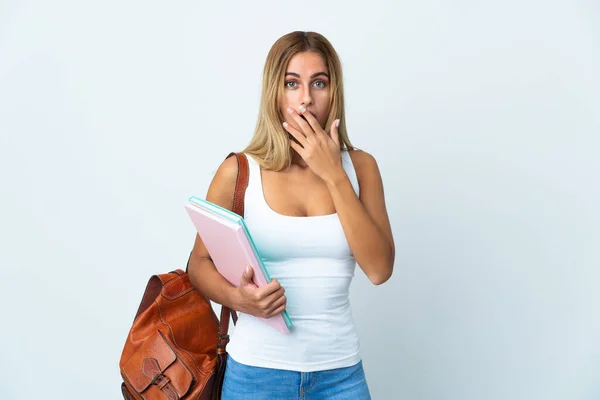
(312,260)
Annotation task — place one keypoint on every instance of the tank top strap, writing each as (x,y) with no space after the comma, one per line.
(253,196)
(350,170)
(253,166)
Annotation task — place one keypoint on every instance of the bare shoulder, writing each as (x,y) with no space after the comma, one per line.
(222,187)
(365,165)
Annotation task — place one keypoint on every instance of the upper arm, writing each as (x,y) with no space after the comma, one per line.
(371,192)
(220,192)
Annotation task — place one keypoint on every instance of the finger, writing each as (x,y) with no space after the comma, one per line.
(304,126)
(299,149)
(312,121)
(274,298)
(275,295)
(299,136)
(334,132)
(269,289)
(278,311)
(247,276)
(270,303)
(281,302)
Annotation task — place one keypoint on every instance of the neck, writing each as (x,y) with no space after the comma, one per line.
(298,161)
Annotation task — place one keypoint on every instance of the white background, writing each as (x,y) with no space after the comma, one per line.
(484,118)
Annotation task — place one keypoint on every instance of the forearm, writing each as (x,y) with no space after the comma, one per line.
(371,248)
(205,278)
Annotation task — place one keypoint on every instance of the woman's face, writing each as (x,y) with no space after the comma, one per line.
(307,83)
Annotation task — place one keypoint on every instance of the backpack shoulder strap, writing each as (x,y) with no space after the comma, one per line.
(241,184)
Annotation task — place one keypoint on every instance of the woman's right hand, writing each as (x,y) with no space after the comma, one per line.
(263,302)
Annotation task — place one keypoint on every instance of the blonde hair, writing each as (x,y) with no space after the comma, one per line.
(270,143)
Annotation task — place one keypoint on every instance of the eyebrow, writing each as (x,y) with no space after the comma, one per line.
(312,76)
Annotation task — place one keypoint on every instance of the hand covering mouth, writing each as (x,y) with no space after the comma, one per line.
(304,118)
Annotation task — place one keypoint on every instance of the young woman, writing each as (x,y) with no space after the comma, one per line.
(316,208)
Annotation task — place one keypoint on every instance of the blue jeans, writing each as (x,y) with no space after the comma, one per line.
(256,383)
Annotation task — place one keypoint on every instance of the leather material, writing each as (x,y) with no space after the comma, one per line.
(241,184)
(176,348)
(243,177)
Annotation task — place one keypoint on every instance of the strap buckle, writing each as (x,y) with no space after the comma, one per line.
(223,338)
(160,380)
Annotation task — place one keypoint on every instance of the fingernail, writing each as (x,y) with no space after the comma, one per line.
(337,123)
(302,109)
(247,269)
(290,111)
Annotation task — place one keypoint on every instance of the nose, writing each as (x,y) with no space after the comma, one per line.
(307,97)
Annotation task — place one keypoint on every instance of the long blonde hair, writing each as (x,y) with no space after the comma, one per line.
(270,143)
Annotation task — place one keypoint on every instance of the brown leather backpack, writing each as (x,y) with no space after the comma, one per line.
(176,348)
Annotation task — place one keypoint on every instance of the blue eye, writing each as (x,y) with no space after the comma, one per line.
(322,84)
(287,84)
